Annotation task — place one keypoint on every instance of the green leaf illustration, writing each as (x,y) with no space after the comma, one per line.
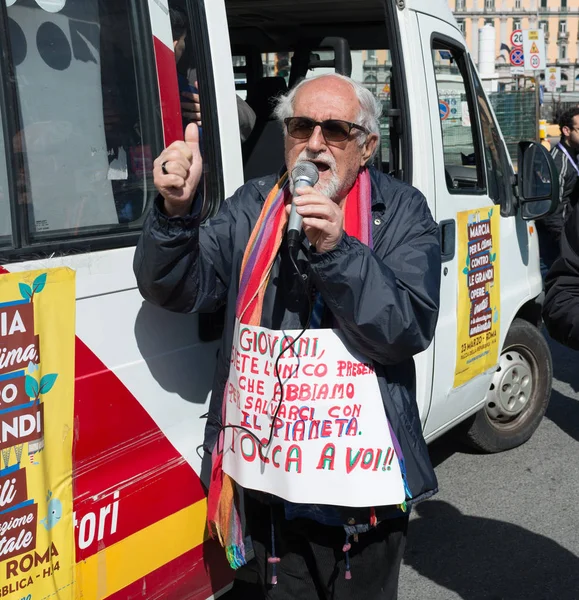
(47,382)
(39,283)
(493,257)
(491,213)
(31,387)
(465,271)
(25,291)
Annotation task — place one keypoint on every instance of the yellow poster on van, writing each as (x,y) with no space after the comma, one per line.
(37,328)
(479,299)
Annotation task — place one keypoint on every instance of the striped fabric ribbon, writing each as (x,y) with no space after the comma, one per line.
(260,253)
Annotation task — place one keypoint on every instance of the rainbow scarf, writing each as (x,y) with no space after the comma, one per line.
(223,504)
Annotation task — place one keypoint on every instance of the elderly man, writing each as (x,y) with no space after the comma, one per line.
(369,265)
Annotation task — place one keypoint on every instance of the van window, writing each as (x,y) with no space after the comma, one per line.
(86,120)
(240,72)
(498,169)
(5,224)
(377,77)
(278,56)
(462,159)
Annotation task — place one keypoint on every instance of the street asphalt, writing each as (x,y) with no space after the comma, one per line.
(503,526)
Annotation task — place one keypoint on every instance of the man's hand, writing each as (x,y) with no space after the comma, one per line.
(191,111)
(184,164)
(323,220)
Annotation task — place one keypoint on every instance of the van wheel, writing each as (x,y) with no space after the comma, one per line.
(518,395)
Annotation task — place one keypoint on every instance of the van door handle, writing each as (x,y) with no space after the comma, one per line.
(447,239)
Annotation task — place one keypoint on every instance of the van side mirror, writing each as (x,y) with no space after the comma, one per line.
(538,181)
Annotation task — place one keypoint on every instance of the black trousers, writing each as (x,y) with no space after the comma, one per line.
(312,562)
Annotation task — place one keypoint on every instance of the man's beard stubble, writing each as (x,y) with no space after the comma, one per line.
(330,188)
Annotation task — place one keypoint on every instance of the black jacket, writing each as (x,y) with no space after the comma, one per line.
(561,307)
(385,300)
(568,190)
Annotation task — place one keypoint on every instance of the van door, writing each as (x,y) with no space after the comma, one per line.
(465,344)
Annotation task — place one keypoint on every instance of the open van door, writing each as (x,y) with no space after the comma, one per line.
(480,249)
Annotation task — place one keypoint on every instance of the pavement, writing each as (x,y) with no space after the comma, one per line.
(503,526)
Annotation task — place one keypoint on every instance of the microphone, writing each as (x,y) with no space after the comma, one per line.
(304,174)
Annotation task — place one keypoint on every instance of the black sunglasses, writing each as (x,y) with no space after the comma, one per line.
(333,130)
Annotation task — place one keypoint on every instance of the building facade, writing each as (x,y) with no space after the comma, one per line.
(558,18)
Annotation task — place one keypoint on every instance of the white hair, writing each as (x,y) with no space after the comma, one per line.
(370,107)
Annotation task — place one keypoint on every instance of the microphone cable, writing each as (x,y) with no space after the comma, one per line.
(266,442)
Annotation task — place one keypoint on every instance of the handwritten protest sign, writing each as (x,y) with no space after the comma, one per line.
(331,441)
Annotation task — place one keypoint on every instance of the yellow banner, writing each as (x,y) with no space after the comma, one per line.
(37,328)
(479,299)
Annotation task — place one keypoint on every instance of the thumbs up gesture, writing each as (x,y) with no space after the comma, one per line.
(177,171)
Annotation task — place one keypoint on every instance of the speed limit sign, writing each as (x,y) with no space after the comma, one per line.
(517,38)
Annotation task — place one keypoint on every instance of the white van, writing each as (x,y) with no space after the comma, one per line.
(88,98)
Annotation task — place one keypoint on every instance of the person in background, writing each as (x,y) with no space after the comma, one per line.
(369,252)
(561,306)
(187,80)
(189,92)
(564,154)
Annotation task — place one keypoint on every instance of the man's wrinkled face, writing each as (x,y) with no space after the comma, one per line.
(572,134)
(337,162)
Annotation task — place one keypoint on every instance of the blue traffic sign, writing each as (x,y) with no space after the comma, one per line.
(444,110)
(517,57)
